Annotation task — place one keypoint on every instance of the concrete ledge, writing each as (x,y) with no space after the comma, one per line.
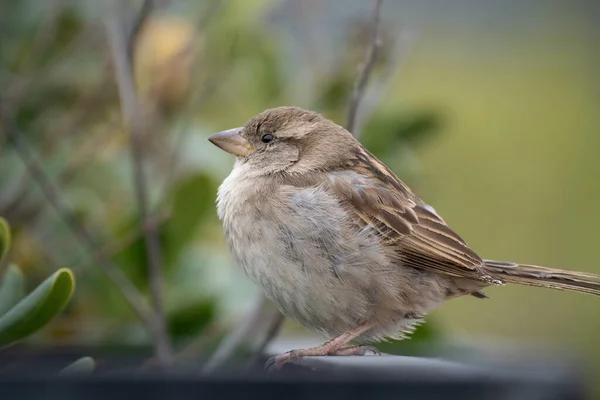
(482,375)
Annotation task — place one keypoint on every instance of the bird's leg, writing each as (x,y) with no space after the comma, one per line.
(359,350)
(332,347)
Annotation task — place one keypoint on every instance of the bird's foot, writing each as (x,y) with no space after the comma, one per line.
(359,350)
(334,347)
(277,362)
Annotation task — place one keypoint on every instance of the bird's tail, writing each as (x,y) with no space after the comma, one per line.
(532,275)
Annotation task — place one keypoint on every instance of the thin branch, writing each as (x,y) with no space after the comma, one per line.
(70,124)
(193,350)
(12,201)
(199,344)
(138,24)
(369,63)
(53,196)
(45,34)
(133,119)
(97,140)
(195,103)
(21,85)
(404,44)
(260,316)
(15,201)
(109,250)
(274,327)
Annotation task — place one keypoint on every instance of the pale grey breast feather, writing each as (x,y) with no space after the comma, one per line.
(316,219)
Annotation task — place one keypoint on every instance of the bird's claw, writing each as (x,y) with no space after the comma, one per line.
(372,349)
(276,363)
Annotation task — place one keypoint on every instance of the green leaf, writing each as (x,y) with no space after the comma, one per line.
(193,200)
(191,319)
(384,132)
(82,366)
(334,93)
(38,308)
(4,238)
(12,288)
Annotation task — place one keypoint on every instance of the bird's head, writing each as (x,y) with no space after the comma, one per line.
(287,139)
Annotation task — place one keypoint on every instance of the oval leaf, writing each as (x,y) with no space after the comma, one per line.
(38,308)
(4,238)
(12,288)
(83,366)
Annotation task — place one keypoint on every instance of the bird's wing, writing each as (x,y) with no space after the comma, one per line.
(415,234)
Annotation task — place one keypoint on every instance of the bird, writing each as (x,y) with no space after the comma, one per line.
(339,243)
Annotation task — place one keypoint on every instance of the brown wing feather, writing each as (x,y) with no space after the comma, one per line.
(421,239)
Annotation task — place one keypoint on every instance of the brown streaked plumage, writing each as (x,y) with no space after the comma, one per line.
(339,243)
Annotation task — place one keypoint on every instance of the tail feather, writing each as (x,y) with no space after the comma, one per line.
(533,275)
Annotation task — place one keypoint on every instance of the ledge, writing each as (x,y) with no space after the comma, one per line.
(479,375)
(507,374)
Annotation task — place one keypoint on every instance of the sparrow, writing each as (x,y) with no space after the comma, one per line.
(337,242)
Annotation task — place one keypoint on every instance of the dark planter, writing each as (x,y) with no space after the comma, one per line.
(33,376)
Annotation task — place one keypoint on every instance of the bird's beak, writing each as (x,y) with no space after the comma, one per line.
(232,142)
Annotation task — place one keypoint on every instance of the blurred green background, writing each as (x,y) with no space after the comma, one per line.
(489,110)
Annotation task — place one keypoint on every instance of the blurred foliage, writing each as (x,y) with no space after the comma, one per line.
(190,204)
(12,288)
(199,67)
(4,239)
(38,308)
(21,316)
(512,99)
(188,321)
(165,47)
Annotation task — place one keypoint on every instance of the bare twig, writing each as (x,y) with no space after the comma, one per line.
(274,327)
(45,33)
(258,318)
(196,102)
(369,63)
(77,112)
(133,119)
(53,196)
(19,86)
(13,202)
(198,97)
(109,250)
(404,44)
(196,346)
(138,24)
(192,350)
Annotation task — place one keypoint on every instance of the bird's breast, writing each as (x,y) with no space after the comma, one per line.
(302,248)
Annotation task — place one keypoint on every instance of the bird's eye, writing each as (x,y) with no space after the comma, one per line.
(267,138)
